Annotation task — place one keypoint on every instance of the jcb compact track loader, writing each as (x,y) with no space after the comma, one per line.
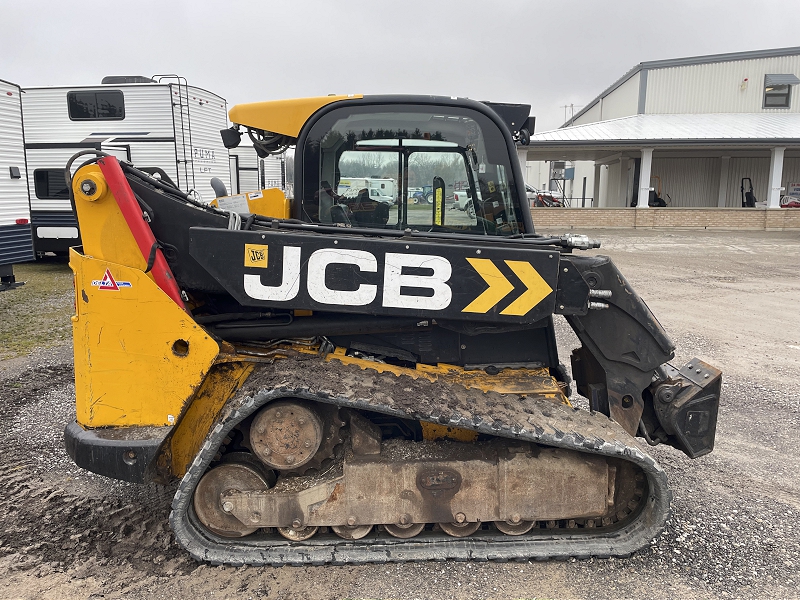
(339,380)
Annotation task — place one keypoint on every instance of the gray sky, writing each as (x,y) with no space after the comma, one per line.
(546,54)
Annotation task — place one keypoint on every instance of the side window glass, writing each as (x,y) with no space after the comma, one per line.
(423,168)
(82,106)
(49,184)
(100,105)
(367,187)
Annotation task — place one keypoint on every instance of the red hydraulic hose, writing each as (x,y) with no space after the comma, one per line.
(141,231)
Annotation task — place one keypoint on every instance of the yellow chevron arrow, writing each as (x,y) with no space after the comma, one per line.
(499,286)
(538,289)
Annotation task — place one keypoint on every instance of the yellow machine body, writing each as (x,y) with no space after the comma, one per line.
(139,358)
(104,232)
(285,117)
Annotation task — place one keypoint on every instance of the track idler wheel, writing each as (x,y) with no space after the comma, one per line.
(405,532)
(234,475)
(511,528)
(460,529)
(351,532)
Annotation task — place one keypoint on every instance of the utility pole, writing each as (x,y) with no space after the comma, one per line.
(571,108)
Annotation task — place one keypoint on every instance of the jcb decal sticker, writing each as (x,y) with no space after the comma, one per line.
(438,293)
(427,273)
(109,283)
(255,255)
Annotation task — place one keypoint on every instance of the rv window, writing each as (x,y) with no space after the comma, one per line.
(101,105)
(49,184)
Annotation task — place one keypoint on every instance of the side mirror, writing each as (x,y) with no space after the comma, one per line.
(231,137)
(530,125)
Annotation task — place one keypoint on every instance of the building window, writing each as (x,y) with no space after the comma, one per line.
(778,90)
(100,105)
(49,184)
(777,96)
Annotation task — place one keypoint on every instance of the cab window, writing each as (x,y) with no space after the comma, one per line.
(383,166)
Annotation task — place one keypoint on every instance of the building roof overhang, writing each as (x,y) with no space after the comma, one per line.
(714,133)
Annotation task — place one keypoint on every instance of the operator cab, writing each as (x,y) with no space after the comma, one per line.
(444,147)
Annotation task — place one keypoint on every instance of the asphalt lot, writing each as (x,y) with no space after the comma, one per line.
(727,297)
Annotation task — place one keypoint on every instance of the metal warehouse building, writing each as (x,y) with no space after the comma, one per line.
(697,129)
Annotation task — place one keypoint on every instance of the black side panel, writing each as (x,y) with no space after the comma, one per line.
(437,345)
(623,341)
(432,278)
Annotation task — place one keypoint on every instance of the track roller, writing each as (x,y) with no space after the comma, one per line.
(351,532)
(405,532)
(297,534)
(460,529)
(511,528)
(286,434)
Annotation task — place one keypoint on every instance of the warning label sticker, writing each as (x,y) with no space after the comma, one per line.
(109,283)
(234,203)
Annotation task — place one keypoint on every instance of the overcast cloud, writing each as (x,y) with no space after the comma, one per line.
(547,54)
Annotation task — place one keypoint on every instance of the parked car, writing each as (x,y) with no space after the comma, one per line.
(463,201)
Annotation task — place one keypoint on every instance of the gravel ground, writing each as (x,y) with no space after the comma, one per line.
(734,533)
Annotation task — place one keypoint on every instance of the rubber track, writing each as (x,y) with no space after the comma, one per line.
(538,421)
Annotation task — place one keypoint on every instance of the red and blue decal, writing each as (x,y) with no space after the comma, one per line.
(109,283)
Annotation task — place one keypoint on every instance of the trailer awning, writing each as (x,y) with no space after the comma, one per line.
(773,80)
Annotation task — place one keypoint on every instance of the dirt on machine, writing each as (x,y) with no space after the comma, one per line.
(339,379)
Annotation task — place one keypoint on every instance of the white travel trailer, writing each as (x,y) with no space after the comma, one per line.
(160,122)
(250,173)
(380,190)
(15,228)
